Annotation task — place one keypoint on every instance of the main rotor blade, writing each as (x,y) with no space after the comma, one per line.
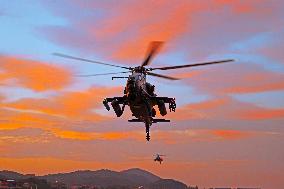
(90,61)
(192,65)
(90,75)
(162,76)
(152,50)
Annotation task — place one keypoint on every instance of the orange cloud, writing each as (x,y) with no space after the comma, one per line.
(76,105)
(157,24)
(168,137)
(38,76)
(164,21)
(127,37)
(195,25)
(230,134)
(76,135)
(10,126)
(262,114)
(206,135)
(45,165)
(15,119)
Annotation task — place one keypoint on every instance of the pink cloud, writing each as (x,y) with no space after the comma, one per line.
(197,26)
(236,78)
(225,108)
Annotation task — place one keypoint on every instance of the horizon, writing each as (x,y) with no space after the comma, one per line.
(148,172)
(228,125)
(92,170)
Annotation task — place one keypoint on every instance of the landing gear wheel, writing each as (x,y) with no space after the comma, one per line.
(147,131)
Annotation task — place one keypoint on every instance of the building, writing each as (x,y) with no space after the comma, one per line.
(58,185)
(9,184)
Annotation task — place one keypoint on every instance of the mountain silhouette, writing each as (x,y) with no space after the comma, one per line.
(5,174)
(105,178)
(141,176)
(167,184)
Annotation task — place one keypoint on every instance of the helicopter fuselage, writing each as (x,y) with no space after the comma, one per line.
(159,159)
(140,96)
(138,93)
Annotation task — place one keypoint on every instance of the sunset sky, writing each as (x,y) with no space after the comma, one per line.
(228,129)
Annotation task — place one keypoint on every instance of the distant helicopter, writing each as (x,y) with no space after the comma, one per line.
(140,95)
(159,159)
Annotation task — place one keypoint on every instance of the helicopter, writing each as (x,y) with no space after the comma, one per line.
(158,158)
(140,95)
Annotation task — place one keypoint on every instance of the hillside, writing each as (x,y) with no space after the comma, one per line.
(105,178)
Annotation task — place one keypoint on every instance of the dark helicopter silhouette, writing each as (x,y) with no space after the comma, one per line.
(140,95)
(158,158)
